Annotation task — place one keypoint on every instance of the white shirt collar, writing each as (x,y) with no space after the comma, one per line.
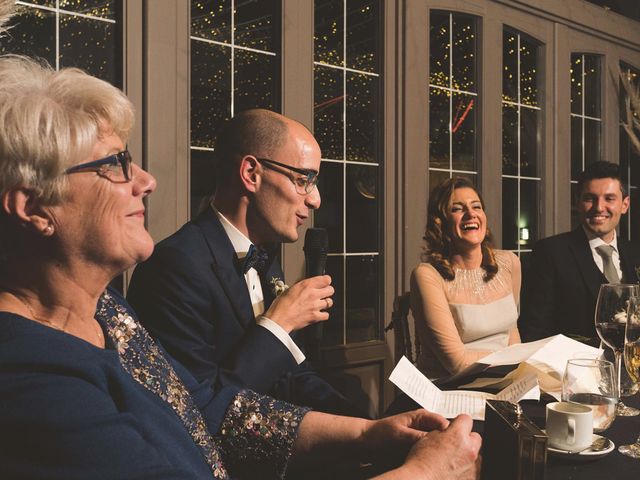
(239,241)
(595,241)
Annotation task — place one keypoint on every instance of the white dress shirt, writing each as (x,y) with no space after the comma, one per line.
(241,246)
(595,242)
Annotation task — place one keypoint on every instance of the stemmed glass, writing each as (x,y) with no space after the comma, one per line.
(592,383)
(611,319)
(632,361)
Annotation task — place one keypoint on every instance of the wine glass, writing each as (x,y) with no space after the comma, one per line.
(610,319)
(632,362)
(592,383)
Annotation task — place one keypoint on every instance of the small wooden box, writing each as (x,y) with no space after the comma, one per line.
(513,447)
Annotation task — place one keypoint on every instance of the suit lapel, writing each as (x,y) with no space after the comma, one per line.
(273,272)
(224,266)
(592,276)
(626,262)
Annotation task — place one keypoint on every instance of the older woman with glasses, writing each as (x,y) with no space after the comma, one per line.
(85,393)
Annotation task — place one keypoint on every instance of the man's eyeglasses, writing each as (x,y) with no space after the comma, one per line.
(304,185)
(116,168)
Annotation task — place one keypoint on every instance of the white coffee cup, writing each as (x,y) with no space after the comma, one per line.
(569,426)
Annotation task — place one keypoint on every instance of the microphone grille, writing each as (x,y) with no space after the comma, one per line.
(316,239)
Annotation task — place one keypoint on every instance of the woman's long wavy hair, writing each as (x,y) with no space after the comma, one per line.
(439,244)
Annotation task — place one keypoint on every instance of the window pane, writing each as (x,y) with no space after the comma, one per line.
(347,109)
(362,34)
(529,141)
(89,44)
(362,306)
(510,66)
(255,81)
(333,329)
(328,125)
(439,49)
(46,3)
(362,209)
(464,49)
(463,132)
(528,212)
(576,83)
(575,221)
(509,213)
(509,139)
(203,178)
(436,177)
(211,19)
(210,91)
(634,215)
(362,133)
(32,33)
(591,141)
(592,86)
(330,214)
(329,32)
(528,72)
(576,147)
(439,128)
(94,8)
(254,24)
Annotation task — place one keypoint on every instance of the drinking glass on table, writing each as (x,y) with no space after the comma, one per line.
(610,320)
(592,383)
(632,362)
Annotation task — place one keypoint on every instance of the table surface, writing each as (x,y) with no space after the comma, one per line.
(615,466)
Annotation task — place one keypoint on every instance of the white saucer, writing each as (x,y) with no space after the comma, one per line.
(584,455)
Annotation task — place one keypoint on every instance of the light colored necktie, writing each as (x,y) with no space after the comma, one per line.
(606,251)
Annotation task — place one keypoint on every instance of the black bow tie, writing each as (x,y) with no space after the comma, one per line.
(256,258)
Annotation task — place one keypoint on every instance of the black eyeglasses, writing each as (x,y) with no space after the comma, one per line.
(304,185)
(116,168)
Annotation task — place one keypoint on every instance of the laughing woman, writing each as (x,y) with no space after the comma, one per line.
(464,295)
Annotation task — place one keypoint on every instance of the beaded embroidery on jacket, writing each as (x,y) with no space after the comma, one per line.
(142,359)
(255,428)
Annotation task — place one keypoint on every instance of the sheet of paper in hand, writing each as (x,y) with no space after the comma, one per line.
(449,404)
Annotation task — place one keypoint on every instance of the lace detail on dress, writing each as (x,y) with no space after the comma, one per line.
(469,287)
(254,428)
(143,360)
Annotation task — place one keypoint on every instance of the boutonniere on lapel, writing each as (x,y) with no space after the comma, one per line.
(278,287)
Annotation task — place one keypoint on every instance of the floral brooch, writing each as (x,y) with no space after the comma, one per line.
(278,287)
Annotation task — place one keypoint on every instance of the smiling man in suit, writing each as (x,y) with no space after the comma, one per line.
(561,286)
(208,291)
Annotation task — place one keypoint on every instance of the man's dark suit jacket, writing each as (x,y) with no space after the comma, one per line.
(561,285)
(192,296)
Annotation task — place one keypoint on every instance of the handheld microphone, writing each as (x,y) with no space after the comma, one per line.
(316,245)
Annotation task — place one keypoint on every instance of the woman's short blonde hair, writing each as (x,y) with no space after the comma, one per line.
(50,120)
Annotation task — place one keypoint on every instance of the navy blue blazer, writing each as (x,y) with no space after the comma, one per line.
(192,296)
(560,286)
(68,410)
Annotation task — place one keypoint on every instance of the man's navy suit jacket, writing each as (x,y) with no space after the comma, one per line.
(561,285)
(192,296)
